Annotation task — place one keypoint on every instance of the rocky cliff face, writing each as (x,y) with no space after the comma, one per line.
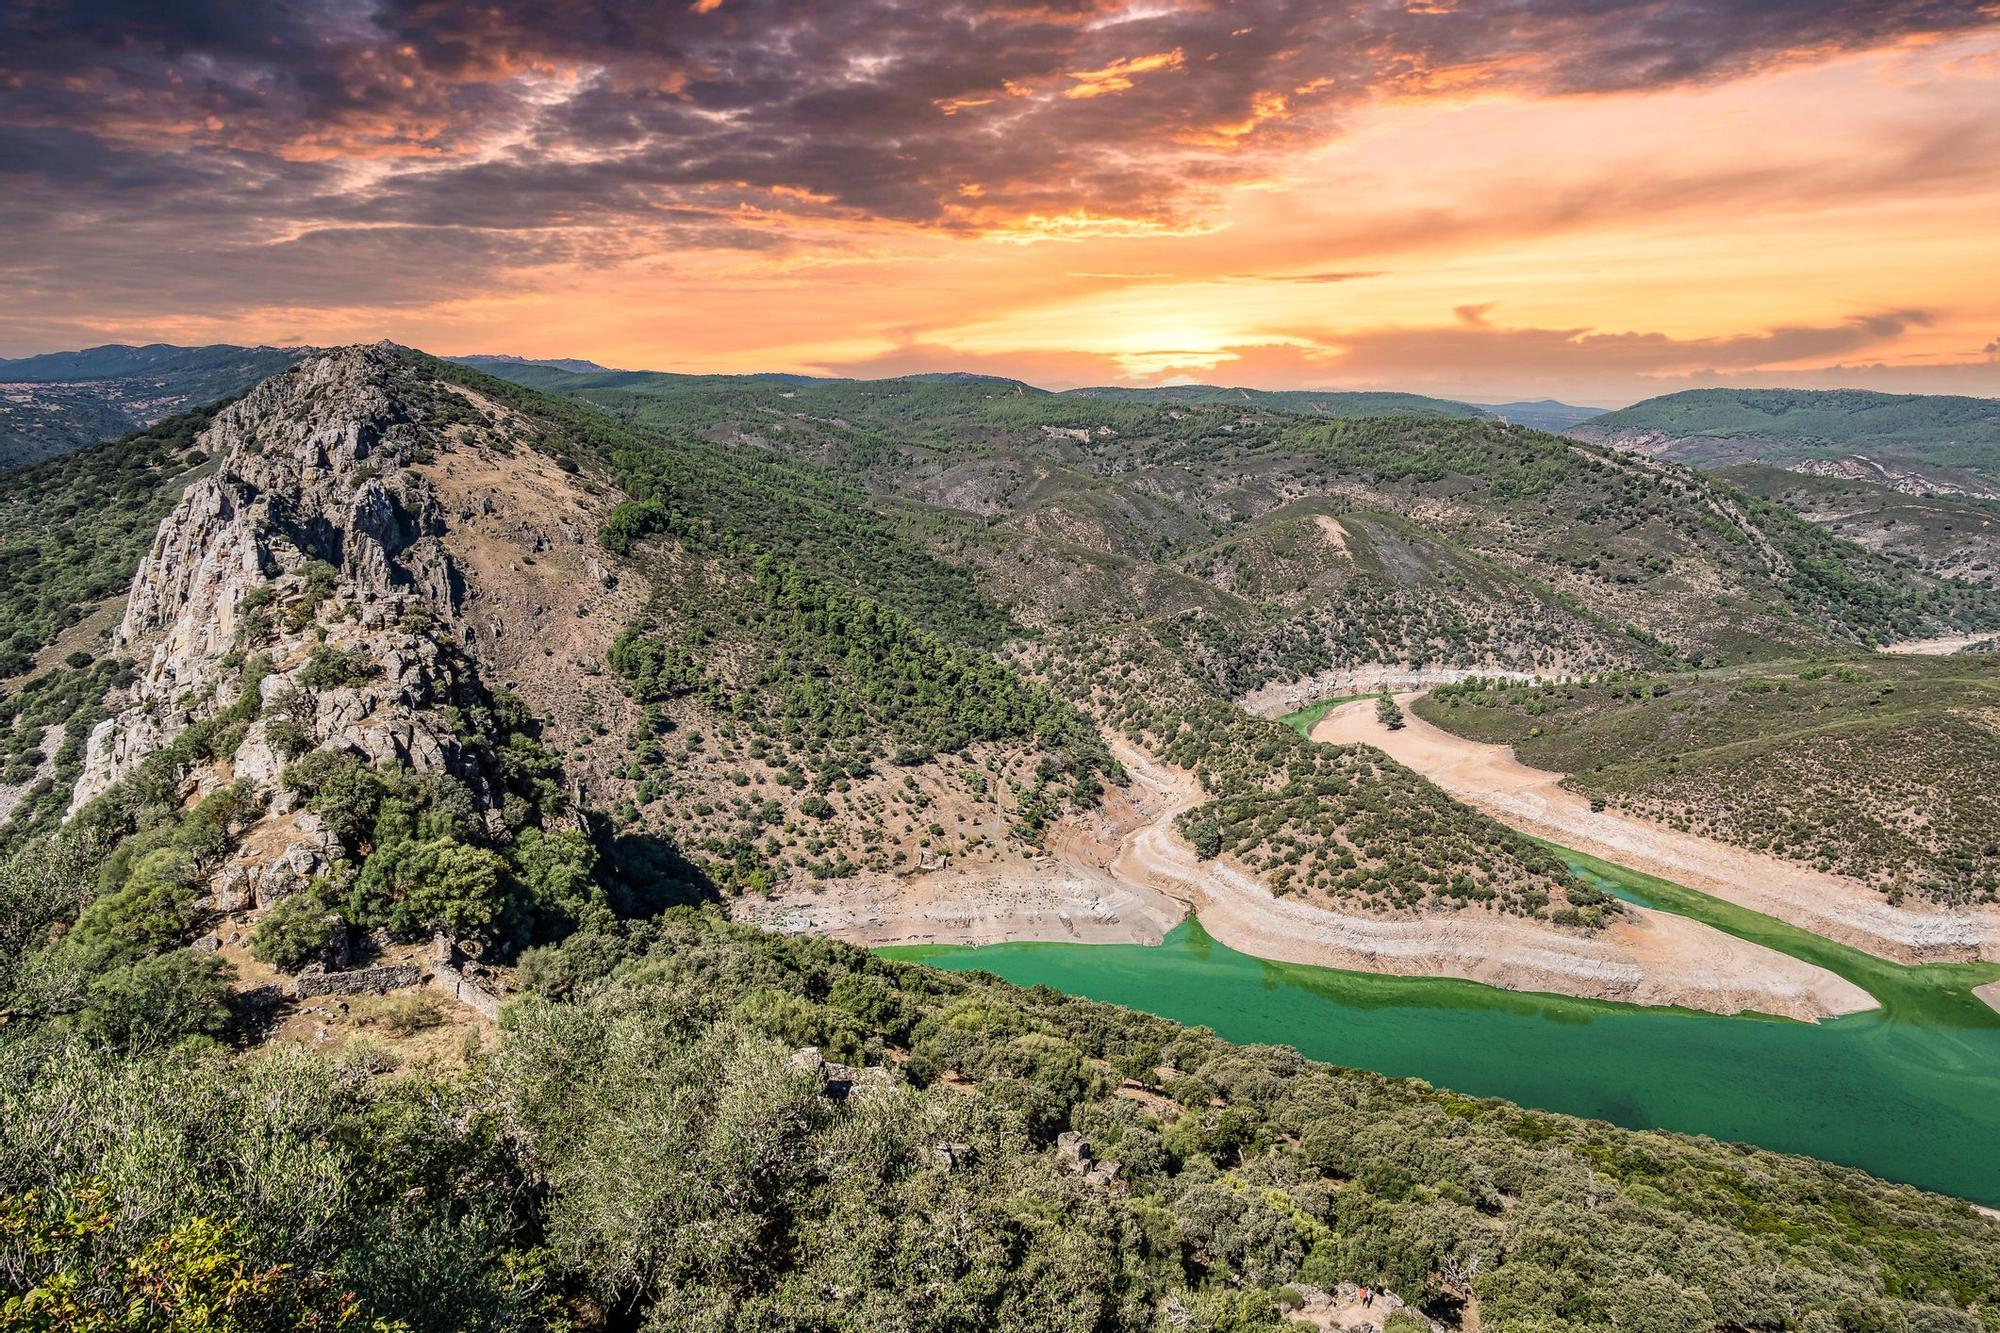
(312,568)
(310,512)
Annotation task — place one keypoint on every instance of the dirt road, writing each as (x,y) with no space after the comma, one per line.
(1136,879)
(1532,800)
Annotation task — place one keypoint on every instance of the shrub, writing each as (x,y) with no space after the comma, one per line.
(1204,834)
(1388,712)
(158,1001)
(415,1012)
(331,668)
(294,933)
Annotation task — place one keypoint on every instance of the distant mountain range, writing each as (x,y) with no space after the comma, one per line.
(1309,402)
(1542,413)
(495,362)
(572,376)
(59,401)
(1916,443)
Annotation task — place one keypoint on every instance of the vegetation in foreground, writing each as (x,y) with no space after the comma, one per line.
(642,1150)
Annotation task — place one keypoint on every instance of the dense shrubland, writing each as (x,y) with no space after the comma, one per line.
(1877,767)
(641,1151)
(830,717)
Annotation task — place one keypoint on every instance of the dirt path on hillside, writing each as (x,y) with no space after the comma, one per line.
(1533,800)
(1938,647)
(1131,879)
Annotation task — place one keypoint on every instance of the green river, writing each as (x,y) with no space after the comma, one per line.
(1909,1091)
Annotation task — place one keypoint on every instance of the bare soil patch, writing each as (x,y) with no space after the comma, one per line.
(1490,778)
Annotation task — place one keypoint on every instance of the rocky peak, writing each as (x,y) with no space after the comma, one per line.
(312,541)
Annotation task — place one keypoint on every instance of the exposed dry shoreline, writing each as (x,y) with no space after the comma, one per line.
(1490,778)
(1135,879)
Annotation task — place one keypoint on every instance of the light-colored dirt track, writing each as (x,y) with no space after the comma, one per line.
(1938,647)
(1490,778)
(1137,878)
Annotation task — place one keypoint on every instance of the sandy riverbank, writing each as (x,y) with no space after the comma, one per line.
(1490,778)
(1133,879)
(1652,958)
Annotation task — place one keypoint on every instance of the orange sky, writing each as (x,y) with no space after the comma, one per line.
(1479,227)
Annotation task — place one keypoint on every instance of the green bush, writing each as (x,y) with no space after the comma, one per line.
(411,1013)
(293,933)
(331,668)
(158,1001)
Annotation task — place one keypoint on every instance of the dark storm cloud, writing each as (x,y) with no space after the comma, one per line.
(246,132)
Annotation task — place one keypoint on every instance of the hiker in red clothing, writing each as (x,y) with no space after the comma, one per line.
(1367,1298)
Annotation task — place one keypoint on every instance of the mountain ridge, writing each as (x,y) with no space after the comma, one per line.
(437,694)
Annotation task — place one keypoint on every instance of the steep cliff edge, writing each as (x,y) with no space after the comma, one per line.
(310,645)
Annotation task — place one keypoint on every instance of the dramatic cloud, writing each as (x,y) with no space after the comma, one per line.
(1477,360)
(538,112)
(574,167)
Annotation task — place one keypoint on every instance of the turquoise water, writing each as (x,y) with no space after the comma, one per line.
(1910,1091)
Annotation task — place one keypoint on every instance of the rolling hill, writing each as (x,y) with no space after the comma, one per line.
(1542,413)
(1311,402)
(1930,441)
(1286,547)
(59,401)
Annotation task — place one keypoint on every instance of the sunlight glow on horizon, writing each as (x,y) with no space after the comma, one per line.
(1818,220)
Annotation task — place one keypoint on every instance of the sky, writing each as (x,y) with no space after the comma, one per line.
(1592,200)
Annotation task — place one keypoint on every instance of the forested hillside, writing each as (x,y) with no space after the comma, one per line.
(1309,402)
(1290,546)
(1940,436)
(437,698)
(1874,768)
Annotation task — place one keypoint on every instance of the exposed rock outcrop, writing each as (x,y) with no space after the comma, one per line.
(315,546)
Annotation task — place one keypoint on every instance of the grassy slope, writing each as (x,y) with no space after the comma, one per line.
(1875,768)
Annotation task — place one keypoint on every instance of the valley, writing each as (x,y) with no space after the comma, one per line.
(1139,666)
(395,677)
